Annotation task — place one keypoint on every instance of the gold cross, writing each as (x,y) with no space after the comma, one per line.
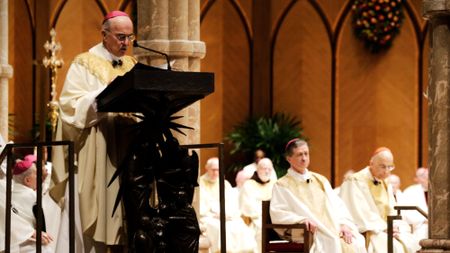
(53,63)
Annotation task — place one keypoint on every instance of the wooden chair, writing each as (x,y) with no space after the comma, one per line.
(271,242)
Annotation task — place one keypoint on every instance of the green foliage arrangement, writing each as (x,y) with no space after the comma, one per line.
(377,22)
(268,133)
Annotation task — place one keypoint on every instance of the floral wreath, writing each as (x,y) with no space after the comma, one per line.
(377,22)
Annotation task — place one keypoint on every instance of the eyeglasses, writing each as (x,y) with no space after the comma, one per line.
(123,37)
(386,167)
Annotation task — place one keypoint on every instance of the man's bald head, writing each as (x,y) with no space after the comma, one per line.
(422,177)
(264,169)
(117,32)
(381,163)
(212,168)
(380,152)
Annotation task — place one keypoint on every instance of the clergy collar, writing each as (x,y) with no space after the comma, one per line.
(101,51)
(115,58)
(305,177)
(115,61)
(375,180)
(16,187)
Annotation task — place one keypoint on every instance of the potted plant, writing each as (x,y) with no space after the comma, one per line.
(267,133)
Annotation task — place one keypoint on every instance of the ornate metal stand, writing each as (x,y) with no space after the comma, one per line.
(53,62)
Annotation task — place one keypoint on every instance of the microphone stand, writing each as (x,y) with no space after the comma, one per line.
(136,44)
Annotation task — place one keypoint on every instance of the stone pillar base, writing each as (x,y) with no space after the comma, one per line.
(435,246)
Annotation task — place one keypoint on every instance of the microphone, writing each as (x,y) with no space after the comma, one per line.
(117,63)
(376,182)
(136,44)
(308,181)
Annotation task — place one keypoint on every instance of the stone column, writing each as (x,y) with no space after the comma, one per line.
(6,70)
(173,27)
(438,14)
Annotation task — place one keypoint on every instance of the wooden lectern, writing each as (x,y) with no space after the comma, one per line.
(145,87)
(155,162)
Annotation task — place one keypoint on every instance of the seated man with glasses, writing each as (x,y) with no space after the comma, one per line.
(370,200)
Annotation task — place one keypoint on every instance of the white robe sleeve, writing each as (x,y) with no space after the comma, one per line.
(414,196)
(339,208)
(21,230)
(364,212)
(280,207)
(231,202)
(249,205)
(77,99)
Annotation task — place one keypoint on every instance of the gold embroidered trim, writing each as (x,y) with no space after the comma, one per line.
(102,68)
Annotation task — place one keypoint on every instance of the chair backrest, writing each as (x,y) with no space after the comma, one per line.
(269,234)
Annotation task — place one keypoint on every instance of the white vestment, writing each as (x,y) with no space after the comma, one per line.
(250,202)
(22,227)
(370,212)
(23,199)
(239,237)
(414,195)
(398,196)
(100,142)
(21,230)
(287,207)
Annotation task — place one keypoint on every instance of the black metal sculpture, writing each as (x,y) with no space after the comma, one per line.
(156,159)
(156,169)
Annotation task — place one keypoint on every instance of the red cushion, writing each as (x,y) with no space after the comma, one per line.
(284,247)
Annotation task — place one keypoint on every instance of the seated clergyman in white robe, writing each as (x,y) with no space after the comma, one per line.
(21,231)
(239,237)
(255,190)
(302,196)
(417,195)
(370,200)
(247,172)
(23,201)
(395,183)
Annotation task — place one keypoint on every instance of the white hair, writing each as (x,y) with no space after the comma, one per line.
(422,172)
(212,162)
(20,178)
(265,161)
(106,25)
(382,154)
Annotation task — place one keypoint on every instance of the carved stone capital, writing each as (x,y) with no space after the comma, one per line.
(6,71)
(431,8)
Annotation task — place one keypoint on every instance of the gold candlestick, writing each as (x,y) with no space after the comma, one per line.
(53,62)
